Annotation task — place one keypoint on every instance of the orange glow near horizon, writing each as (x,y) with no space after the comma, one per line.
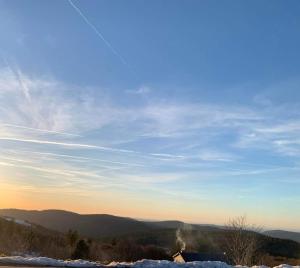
(13,197)
(29,199)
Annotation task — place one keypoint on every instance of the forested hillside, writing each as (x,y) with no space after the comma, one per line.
(93,226)
(150,240)
(284,235)
(17,238)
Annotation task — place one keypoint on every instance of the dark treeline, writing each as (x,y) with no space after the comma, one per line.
(19,239)
(156,244)
(16,238)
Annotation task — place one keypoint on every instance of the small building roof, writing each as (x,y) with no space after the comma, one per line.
(192,256)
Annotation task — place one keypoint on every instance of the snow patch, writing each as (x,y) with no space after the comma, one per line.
(168,264)
(196,264)
(21,222)
(43,261)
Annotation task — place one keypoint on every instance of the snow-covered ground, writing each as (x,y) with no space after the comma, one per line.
(43,261)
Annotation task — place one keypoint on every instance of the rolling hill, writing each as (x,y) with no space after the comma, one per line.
(96,226)
(20,236)
(111,234)
(284,235)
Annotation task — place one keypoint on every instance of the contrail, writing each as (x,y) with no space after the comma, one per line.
(85,158)
(84,146)
(73,145)
(47,170)
(99,34)
(72,157)
(40,130)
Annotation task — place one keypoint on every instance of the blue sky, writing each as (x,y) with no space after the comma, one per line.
(152,109)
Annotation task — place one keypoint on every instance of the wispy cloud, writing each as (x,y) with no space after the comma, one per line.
(140,91)
(52,109)
(82,136)
(22,81)
(86,146)
(65,144)
(56,112)
(39,130)
(278,137)
(61,156)
(47,170)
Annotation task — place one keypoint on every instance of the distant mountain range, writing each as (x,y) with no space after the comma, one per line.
(97,225)
(93,225)
(49,228)
(103,225)
(284,235)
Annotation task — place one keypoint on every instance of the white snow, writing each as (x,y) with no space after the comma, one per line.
(168,264)
(21,222)
(196,264)
(43,261)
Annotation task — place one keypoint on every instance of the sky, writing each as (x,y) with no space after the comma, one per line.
(186,110)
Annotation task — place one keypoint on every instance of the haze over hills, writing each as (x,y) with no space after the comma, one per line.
(104,225)
(112,234)
(94,225)
(284,235)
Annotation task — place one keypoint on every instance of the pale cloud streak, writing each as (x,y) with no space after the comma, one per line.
(39,130)
(61,156)
(71,115)
(65,144)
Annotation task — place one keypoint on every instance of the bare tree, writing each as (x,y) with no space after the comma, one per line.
(71,238)
(241,241)
(30,240)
